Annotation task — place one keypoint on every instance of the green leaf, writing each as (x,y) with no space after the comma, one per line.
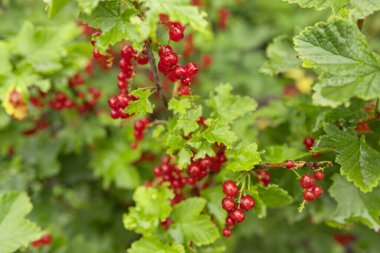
(87,5)
(278,154)
(5,65)
(178,10)
(243,158)
(214,197)
(189,225)
(341,53)
(142,106)
(360,162)
(46,45)
(15,230)
(152,206)
(273,196)
(154,245)
(113,161)
(282,57)
(179,106)
(359,8)
(228,107)
(354,205)
(217,132)
(188,122)
(55,6)
(319,4)
(184,158)
(201,145)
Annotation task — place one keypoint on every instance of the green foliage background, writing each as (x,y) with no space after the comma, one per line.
(80,174)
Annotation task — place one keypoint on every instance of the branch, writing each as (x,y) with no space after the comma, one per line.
(297,165)
(152,62)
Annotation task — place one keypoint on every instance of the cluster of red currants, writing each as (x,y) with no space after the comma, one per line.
(235,212)
(308,142)
(176,29)
(197,171)
(312,190)
(139,129)
(168,65)
(44,240)
(61,101)
(119,102)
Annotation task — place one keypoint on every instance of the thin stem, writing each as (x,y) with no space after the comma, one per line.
(175,88)
(297,165)
(152,62)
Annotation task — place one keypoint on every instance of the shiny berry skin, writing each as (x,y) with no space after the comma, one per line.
(169,59)
(289,164)
(194,171)
(227,232)
(122,76)
(139,125)
(238,215)
(230,222)
(115,114)
(46,239)
(142,59)
(317,190)
(308,142)
(308,196)
(228,204)
(205,163)
(184,90)
(191,68)
(125,65)
(157,171)
(122,100)
(319,175)
(164,50)
(163,68)
(247,202)
(186,81)
(113,102)
(307,181)
(122,85)
(176,31)
(96,54)
(180,72)
(127,52)
(230,188)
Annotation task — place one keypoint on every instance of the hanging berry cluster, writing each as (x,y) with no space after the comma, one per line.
(196,176)
(264,176)
(312,191)
(118,103)
(235,208)
(139,129)
(168,65)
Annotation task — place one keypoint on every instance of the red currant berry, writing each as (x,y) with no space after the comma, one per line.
(230,188)
(227,232)
(163,68)
(308,142)
(238,215)
(180,72)
(228,204)
(123,100)
(142,59)
(307,181)
(157,171)
(191,68)
(230,222)
(122,76)
(96,54)
(289,164)
(127,52)
(186,81)
(317,190)
(122,85)
(113,102)
(139,125)
(115,114)
(61,97)
(176,31)
(46,239)
(184,90)
(125,65)
(169,59)
(264,177)
(194,171)
(205,163)
(319,175)
(164,50)
(308,196)
(247,202)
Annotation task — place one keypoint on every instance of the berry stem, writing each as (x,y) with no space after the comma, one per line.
(153,67)
(297,165)
(302,206)
(175,89)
